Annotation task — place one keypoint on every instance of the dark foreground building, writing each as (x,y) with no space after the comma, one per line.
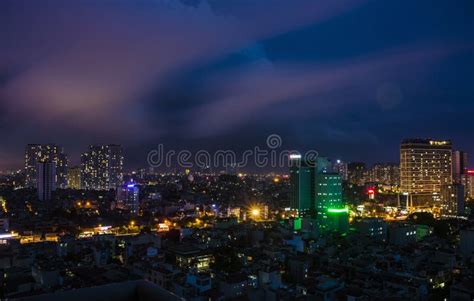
(125,291)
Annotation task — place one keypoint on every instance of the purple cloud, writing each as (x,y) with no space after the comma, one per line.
(257,90)
(85,63)
(79,68)
(84,69)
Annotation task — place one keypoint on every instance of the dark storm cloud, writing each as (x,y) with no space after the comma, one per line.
(210,72)
(259,90)
(229,97)
(86,63)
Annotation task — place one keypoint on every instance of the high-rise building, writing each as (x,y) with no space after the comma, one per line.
(302,176)
(385,173)
(328,192)
(331,213)
(316,191)
(102,167)
(32,152)
(425,166)
(341,168)
(356,173)
(115,166)
(61,169)
(95,168)
(452,200)
(46,180)
(37,153)
(460,163)
(74,177)
(128,197)
(468,182)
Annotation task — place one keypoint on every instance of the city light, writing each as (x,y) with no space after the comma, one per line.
(3,203)
(163,227)
(241,182)
(432,142)
(255,212)
(338,210)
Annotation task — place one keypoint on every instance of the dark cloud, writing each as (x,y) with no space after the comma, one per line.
(208,72)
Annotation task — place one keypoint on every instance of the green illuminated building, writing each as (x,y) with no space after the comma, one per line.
(316,192)
(330,210)
(302,176)
(337,220)
(328,193)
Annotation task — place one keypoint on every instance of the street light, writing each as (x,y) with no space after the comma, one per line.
(255,212)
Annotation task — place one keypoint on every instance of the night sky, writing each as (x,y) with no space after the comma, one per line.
(347,78)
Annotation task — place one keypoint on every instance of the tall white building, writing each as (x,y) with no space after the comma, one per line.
(425,166)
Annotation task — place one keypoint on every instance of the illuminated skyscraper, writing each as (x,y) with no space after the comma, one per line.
(302,176)
(330,210)
(32,154)
(128,197)
(102,167)
(460,164)
(74,177)
(46,180)
(37,153)
(115,166)
(425,166)
(95,168)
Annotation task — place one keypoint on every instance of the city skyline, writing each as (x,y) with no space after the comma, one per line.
(236,150)
(171,163)
(356,78)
